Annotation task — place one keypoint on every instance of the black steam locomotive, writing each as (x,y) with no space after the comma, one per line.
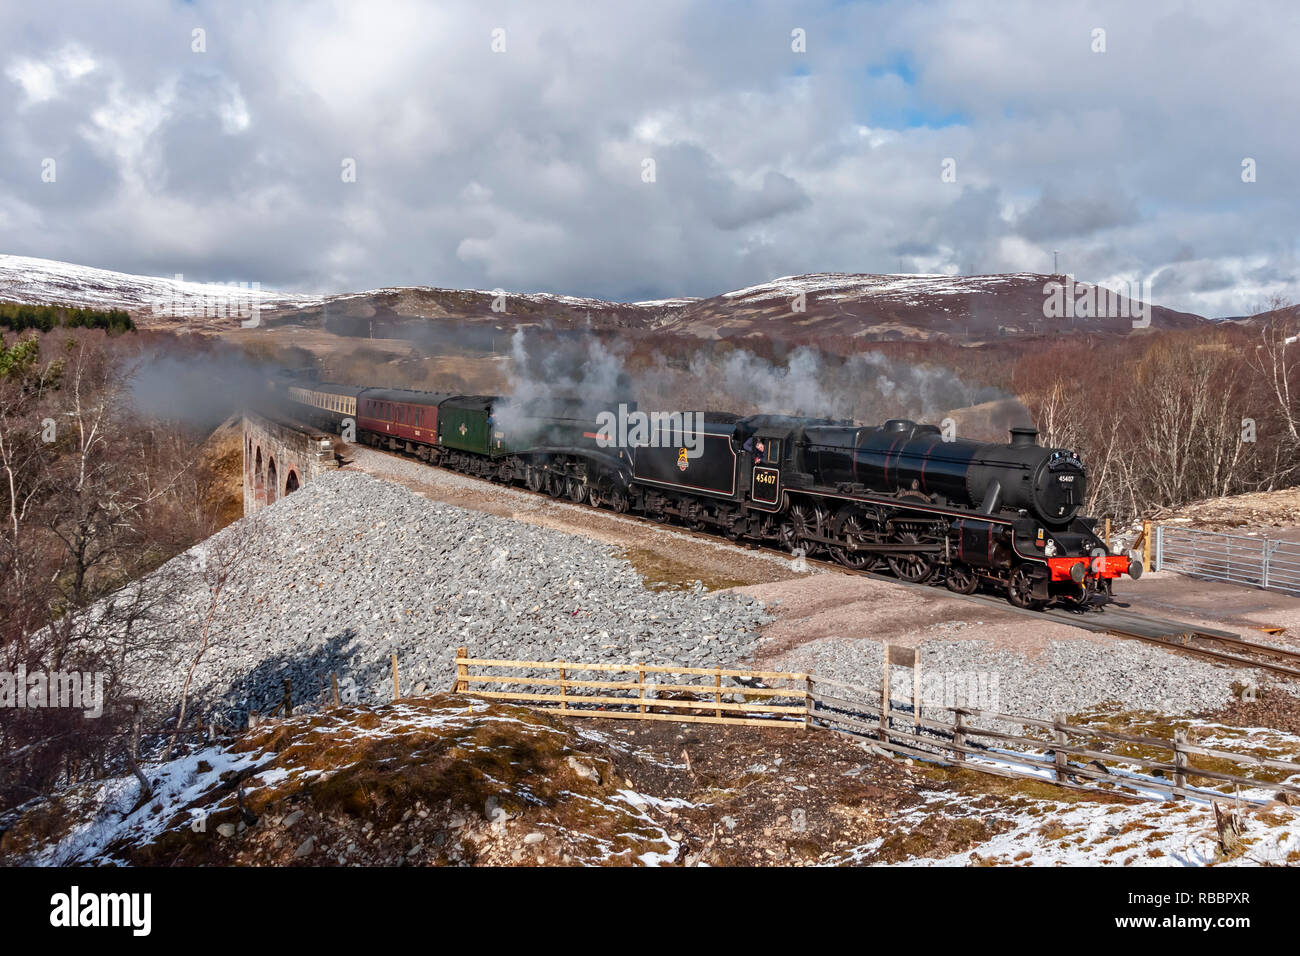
(896,496)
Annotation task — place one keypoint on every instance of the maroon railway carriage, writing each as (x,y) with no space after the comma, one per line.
(399,418)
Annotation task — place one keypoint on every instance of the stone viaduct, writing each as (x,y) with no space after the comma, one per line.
(280,458)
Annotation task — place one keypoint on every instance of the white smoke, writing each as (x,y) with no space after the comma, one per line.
(867,387)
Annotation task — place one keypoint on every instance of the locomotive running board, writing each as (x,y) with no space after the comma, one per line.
(886,547)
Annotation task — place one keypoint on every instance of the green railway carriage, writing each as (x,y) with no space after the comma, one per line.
(465,424)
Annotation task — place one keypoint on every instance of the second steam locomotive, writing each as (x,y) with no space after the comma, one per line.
(896,496)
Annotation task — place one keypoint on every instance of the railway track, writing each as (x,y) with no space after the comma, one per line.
(1224,647)
(1205,642)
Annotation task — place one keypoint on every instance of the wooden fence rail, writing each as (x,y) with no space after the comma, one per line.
(960,742)
(1066,754)
(691,702)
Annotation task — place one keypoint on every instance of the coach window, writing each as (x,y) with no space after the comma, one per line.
(772,454)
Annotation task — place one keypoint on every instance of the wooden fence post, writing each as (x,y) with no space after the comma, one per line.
(1062,741)
(1180,761)
(959,736)
(564,688)
(717,692)
(808,705)
(916,692)
(884,693)
(1146,545)
(462,670)
(286,703)
(641,683)
(397,687)
(334,685)
(1106,540)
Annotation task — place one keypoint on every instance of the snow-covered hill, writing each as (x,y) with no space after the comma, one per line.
(41,281)
(839,286)
(858,306)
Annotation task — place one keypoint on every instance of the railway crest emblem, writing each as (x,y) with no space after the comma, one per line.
(463,429)
(683,461)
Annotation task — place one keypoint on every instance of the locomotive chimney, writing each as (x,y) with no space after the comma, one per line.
(1022,437)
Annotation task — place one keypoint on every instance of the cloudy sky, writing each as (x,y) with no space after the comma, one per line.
(224,155)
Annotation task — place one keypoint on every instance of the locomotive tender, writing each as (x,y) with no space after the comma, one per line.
(896,496)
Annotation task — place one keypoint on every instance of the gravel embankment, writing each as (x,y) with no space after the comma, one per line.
(350,569)
(1068,677)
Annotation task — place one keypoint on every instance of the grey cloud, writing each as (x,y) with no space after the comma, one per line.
(523,169)
(1055,217)
(778,194)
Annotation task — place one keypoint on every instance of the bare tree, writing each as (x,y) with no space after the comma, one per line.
(216,561)
(1277,359)
(92,497)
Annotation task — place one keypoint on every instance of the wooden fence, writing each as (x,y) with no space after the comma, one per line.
(1053,751)
(704,702)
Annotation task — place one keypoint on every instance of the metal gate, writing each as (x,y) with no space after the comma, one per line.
(1238,559)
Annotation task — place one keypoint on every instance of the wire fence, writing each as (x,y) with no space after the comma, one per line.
(1238,559)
